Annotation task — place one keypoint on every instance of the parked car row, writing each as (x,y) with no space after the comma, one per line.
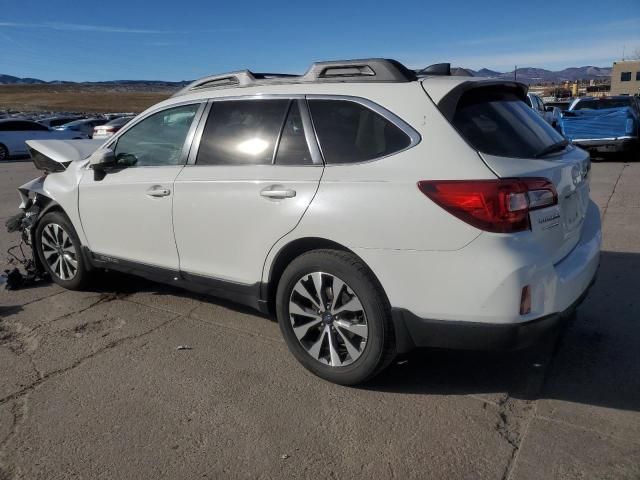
(14,132)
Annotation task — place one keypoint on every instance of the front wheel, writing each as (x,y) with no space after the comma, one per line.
(335,317)
(59,251)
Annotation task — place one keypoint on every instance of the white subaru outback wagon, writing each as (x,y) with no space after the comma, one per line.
(373,209)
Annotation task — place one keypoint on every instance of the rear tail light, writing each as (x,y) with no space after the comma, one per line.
(499,206)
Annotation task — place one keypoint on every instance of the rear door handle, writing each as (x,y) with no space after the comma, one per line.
(278,192)
(158,191)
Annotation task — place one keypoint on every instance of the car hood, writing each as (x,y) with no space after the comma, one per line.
(56,155)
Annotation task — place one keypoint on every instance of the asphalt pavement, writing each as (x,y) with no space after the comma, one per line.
(93,385)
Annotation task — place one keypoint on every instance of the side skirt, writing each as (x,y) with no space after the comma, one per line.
(245,294)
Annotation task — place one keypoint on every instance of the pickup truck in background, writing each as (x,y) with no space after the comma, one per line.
(604,125)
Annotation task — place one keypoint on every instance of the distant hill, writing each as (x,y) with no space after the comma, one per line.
(540,75)
(525,75)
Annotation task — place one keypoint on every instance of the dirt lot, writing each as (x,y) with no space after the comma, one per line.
(92,386)
(78,98)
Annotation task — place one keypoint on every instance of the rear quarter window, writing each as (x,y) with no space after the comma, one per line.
(498,122)
(349,132)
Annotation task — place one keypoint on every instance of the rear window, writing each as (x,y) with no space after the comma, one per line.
(350,132)
(499,122)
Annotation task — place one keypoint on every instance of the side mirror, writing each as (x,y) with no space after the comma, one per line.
(548,109)
(102,158)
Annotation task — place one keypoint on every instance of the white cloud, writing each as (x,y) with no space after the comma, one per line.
(597,53)
(75,27)
(631,24)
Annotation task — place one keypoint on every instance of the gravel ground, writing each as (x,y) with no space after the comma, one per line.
(92,385)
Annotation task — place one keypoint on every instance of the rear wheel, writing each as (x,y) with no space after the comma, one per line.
(335,317)
(59,250)
(4,153)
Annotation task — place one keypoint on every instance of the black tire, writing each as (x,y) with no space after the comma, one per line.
(58,221)
(379,348)
(4,153)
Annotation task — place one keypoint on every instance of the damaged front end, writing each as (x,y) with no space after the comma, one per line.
(27,268)
(61,162)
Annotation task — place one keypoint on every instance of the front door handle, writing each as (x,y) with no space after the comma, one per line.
(277,192)
(158,191)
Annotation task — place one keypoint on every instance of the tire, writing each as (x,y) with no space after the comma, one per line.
(55,233)
(366,324)
(4,153)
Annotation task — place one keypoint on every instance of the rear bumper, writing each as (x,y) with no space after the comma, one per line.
(413,331)
(470,298)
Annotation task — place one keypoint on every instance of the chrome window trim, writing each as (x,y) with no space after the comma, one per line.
(414,136)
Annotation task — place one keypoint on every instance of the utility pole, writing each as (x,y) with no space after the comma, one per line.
(515,73)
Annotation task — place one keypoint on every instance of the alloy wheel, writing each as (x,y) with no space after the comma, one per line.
(59,252)
(328,319)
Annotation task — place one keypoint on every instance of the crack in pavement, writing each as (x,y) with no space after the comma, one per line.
(19,408)
(18,413)
(613,191)
(77,363)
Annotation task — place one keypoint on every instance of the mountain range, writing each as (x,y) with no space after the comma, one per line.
(540,75)
(526,75)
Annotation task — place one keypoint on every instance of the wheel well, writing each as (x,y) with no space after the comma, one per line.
(286,255)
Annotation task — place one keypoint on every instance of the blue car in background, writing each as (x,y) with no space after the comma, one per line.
(602,125)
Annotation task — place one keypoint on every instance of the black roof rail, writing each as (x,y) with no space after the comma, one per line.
(363,70)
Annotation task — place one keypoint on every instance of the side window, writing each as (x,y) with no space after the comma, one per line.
(350,132)
(293,148)
(7,126)
(242,132)
(157,140)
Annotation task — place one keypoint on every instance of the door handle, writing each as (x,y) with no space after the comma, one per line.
(277,192)
(157,191)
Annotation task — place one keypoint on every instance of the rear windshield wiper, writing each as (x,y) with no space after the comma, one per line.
(554,147)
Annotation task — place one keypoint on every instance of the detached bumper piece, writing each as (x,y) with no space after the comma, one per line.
(413,331)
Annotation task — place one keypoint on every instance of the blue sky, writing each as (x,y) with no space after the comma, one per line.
(171,40)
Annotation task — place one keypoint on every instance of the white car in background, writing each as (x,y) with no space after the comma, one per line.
(110,128)
(551,115)
(14,133)
(371,209)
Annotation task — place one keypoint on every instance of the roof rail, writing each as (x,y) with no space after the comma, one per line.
(364,70)
(241,78)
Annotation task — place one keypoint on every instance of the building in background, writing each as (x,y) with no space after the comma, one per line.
(625,78)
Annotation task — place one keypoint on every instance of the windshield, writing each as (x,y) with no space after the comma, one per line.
(498,122)
(602,104)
